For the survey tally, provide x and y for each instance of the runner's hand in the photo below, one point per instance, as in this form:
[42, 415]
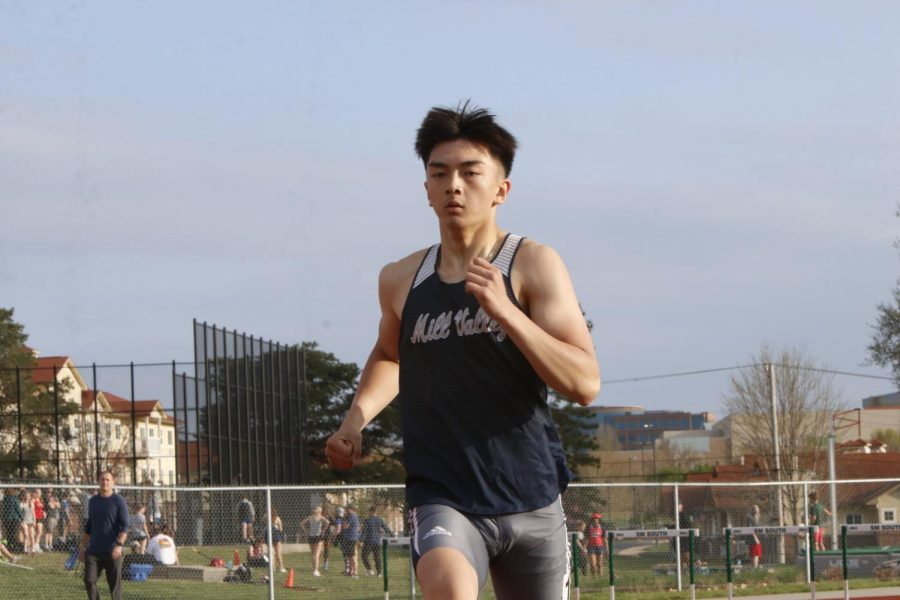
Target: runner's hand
[485, 282]
[343, 449]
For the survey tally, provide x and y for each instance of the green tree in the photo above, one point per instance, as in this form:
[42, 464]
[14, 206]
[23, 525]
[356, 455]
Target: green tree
[331, 385]
[889, 437]
[577, 430]
[885, 347]
[24, 406]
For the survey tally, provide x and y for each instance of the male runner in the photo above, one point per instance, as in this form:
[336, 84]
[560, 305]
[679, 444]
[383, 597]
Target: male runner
[472, 332]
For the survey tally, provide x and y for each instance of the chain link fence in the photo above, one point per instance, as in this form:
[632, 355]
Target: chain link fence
[266, 542]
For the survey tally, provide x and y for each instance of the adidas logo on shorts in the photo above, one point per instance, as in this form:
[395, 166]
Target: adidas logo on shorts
[436, 531]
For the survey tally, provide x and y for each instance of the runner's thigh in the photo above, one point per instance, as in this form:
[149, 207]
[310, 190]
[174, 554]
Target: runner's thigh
[536, 564]
[438, 526]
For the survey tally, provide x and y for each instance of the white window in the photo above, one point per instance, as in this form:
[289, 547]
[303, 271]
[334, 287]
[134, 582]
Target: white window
[143, 474]
[170, 439]
[153, 474]
[888, 515]
[118, 432]
[171, 477]
[854, 519]
[152, 432]
[143, 433]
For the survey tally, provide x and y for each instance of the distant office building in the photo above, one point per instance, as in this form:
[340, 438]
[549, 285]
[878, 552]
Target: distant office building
[882, 401]
[635, 428]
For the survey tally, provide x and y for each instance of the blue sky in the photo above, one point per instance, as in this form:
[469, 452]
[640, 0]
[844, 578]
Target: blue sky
[716, 175]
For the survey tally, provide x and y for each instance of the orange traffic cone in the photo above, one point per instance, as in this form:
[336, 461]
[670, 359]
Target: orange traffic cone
[237, 558]
[290, 580]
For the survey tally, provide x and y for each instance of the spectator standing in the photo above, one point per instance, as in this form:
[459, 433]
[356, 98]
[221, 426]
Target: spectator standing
[596, 545]
[67, 523]
[78, 508]
[154, 508]
[314, 527]
[817, 516]
[37, 505]
[754, 544]
[26, 529]
[137, 528]
[373, 529]
[277, 537]
[84, 500]
[350, 541]
[105, 530]
[685, 521]
[51, 524]
[579, 529]
[334, 535]
[12, 518]
[246, 516]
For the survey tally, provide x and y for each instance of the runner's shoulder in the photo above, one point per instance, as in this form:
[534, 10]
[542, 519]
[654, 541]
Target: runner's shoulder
[399, 274]
[534, 259]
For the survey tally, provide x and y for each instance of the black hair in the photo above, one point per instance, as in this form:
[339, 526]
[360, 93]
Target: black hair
[477, 125]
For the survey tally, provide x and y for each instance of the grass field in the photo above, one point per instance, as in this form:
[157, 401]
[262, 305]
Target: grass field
[50, 581]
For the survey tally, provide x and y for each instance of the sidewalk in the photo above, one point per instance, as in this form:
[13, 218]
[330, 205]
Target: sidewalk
[880, 593]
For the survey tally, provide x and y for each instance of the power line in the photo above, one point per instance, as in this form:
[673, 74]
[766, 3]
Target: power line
[669, 375]
[739, 367]
[847, 373]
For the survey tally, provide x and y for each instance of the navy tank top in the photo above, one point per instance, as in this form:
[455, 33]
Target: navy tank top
[477, 431]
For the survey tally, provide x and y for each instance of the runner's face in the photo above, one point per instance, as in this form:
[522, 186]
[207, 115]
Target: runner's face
[464, 183]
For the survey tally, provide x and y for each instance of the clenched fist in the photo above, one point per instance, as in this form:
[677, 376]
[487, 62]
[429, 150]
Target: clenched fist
[343, 449]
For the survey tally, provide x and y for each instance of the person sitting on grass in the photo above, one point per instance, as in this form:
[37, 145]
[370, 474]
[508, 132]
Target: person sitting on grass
[162, 547]
[5, 553]
[257, 554]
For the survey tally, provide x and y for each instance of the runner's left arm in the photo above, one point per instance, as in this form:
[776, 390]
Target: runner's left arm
[553, 335]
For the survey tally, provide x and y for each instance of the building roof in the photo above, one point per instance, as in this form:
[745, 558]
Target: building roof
[43, 369]
[847, 466]
[121, 407]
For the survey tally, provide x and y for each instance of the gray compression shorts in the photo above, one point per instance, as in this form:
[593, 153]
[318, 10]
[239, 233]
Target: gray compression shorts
[527, 554]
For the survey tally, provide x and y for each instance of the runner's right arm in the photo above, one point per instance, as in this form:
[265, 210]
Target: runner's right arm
[380, 379]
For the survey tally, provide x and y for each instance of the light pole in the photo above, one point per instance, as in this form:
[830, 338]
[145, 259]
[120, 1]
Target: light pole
[778, 491]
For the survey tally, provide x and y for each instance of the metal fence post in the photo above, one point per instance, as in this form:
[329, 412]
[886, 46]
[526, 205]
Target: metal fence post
[575, 565]
[728, 571]
[271, 544]
[691, 567]
[806, 520]
[677, 539]
[384, 563]
[844, 562]
[56, 420]
[19, 423]
[612, 570]
[811, 552]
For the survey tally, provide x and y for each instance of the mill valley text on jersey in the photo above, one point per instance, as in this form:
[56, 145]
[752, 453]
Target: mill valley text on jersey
[445, 323]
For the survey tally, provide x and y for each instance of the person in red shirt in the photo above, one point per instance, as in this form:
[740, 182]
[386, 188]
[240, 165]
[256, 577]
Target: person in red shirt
[596, 546]
[38, 506]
